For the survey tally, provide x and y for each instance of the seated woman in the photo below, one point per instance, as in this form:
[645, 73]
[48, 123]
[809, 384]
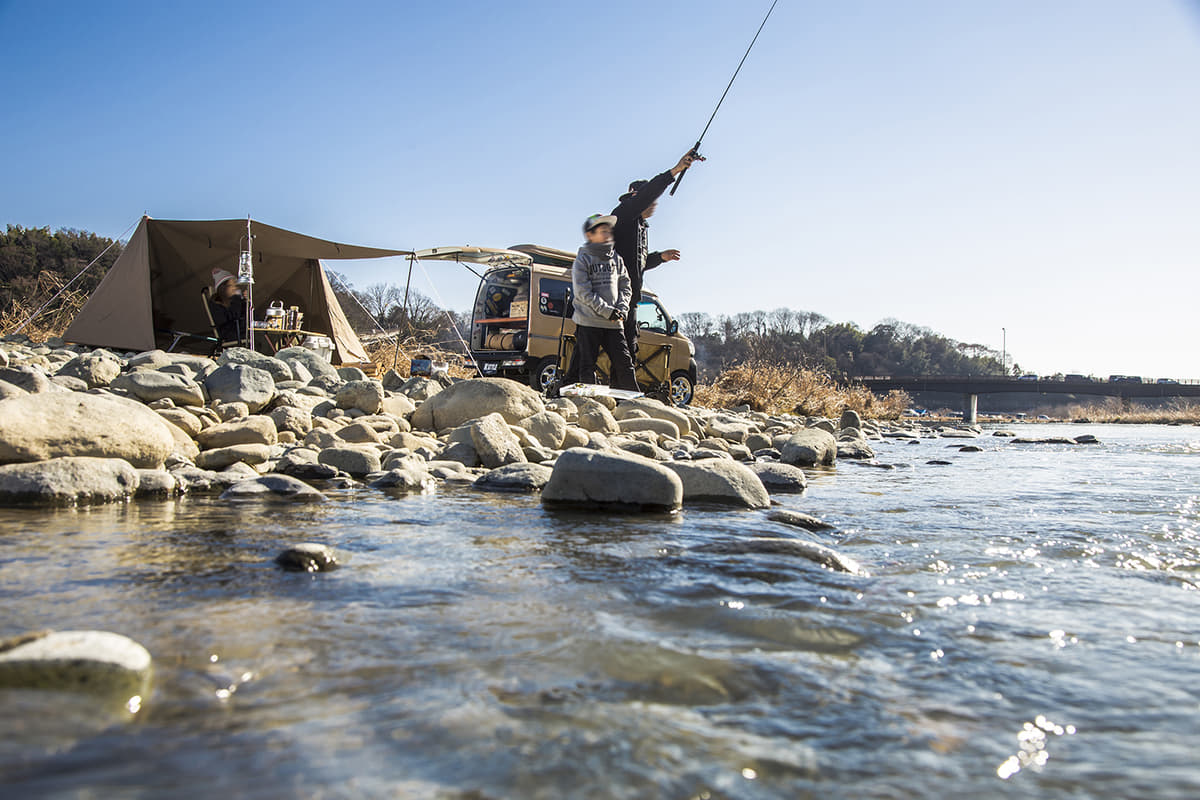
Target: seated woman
[228, 307]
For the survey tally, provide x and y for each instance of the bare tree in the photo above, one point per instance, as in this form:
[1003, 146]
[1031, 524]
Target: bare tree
[379, 299]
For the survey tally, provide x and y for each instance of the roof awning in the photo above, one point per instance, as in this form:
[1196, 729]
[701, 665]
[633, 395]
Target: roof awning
[486, 256]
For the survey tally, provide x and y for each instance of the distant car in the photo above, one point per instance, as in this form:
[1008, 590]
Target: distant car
[1075, 377]
[1125, 379]
[1042, 416]
[1170, 381]
[1028, 377]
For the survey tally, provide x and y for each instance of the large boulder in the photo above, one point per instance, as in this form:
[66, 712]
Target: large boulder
[850, 419]
[469, 400]
[94, 369]
[68, 480]
[238, 383]
[855, 449]
[96, 662]
[272, 486]
[616, 481]
[278, 369]
[515, 478]
[357, 460]
[780, 478]
[810, 447]
[398, 405]
[32, 379]
[38, 427]
[420, 388]
[718, 480]
[655, 410]
[548, 427]
[222, 457]
[660, 427]
[254, 429]
[595, 417]
[148, 386]
[365, 395]
[494, 442]
[289, 418]
[312, 362]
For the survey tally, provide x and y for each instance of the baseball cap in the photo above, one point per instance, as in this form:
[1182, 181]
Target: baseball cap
[598, 219]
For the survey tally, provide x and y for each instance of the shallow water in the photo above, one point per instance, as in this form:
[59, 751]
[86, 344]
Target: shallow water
[1028, 629]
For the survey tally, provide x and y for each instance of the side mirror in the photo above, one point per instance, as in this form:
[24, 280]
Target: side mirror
[672, 328]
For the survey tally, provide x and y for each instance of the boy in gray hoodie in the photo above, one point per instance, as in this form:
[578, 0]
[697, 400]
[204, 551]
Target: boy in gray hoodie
[602, 291]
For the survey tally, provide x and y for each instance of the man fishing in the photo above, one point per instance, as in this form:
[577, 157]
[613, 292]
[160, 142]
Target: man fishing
[630, 235]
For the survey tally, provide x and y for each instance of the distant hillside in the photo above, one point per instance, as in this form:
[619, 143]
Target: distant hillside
[35, 263]
[842, 349]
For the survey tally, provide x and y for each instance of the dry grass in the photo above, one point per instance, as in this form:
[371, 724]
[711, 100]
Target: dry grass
[383, 355]
[53, 320]
[779, 388]
[1115, 410]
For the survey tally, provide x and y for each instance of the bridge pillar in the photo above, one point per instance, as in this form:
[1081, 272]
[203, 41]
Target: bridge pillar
[970, 409]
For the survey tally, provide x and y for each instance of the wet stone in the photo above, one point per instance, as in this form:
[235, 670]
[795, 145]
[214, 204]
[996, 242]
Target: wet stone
[308, 557]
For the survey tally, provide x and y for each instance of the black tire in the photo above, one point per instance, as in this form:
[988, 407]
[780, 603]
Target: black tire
[544, 374]
[682, 388]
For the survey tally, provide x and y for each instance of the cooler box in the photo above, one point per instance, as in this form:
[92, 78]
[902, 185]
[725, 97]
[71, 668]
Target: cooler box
[321, 345]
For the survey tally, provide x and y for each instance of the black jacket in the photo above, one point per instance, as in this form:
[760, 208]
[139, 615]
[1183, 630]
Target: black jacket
[230, 320]
[629, 235]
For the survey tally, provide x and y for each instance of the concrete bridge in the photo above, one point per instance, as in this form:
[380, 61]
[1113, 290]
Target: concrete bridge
[970, 387]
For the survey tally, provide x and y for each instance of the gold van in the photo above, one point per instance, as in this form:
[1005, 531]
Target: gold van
[518, 322]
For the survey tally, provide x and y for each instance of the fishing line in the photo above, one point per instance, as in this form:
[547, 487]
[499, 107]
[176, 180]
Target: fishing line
[695, 151]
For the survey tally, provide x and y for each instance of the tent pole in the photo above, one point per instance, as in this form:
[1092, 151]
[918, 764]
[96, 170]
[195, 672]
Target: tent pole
[250, 288]
[407, 284]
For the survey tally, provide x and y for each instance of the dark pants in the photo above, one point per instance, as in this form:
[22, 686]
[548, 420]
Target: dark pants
[589, 341]
[631, 336]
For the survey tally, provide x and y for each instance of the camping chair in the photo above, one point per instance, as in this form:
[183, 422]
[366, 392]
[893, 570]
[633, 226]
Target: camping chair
[218, 343]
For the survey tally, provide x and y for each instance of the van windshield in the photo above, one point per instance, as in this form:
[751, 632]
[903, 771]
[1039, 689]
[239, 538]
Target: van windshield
[650, 317]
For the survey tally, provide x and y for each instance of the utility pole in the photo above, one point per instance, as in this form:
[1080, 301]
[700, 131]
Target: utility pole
[1004, 351]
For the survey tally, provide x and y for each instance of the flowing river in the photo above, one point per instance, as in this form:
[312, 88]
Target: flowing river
[1029, 628]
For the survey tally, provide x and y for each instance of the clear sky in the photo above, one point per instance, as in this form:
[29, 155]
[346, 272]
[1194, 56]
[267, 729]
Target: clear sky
[967, 166]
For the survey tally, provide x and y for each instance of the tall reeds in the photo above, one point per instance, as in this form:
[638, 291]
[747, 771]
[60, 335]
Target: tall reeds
[786, 388]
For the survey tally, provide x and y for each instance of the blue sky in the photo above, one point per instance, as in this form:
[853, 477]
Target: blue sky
[1028, 164]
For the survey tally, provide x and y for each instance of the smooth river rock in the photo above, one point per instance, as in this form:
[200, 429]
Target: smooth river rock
[254, 429]
[780, 478]
[810, 447]
[268, 486]
[799, 519]
[98, 662]
[494, 442]
[238, 383]
[308, 557]
[720, 481]
[465, 401]
[148, 386]
[68, 480]
[592, 479]
[313, 363]
[279, 370]
[52, 425]
[515, 478]
[365, 395]
[819, 553]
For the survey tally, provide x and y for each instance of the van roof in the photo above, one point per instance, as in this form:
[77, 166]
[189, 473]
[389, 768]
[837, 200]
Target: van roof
[488, 256]
[546, 255]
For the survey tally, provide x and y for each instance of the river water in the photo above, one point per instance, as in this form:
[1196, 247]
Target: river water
[1029, 628]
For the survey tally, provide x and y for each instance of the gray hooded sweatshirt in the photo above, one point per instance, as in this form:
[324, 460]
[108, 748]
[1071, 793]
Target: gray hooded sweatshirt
[601, 285]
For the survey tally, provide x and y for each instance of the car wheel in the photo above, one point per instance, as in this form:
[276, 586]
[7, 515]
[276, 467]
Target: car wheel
[682, 388]
[545, 374]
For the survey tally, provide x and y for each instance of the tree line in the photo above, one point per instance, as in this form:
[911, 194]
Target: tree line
[35, 263]
[842, 349]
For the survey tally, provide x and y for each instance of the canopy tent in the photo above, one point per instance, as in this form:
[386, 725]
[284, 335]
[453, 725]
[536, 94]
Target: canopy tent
[152, 292]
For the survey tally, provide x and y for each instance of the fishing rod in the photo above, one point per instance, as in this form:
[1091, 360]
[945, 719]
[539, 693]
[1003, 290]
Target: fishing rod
[695, 151]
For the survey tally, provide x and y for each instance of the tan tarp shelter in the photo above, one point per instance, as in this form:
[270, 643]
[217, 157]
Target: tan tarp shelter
[152, 293]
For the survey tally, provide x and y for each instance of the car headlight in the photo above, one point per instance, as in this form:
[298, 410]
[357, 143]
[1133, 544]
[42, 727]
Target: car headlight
[691, 348]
